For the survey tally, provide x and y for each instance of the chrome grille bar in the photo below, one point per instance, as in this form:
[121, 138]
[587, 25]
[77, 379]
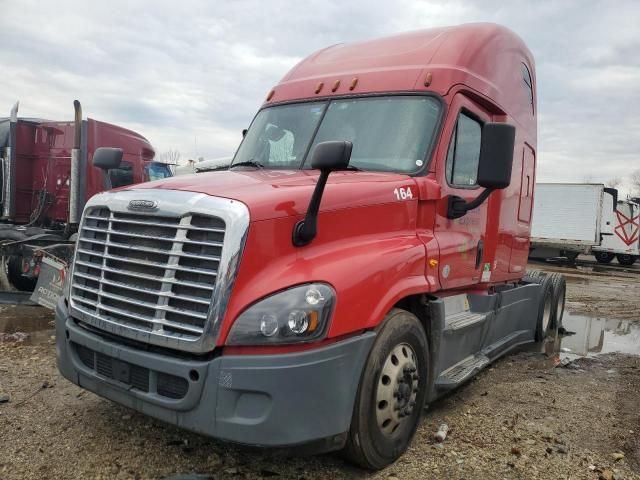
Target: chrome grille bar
[201, 301]
[149, 250]
[123, 233]
[138, 222]
[151, 264]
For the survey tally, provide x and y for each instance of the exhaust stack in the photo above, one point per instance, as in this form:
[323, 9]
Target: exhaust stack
[9, 168]
[74, 181]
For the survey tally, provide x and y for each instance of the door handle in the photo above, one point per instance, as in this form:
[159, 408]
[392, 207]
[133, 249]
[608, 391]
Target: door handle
[479, 254]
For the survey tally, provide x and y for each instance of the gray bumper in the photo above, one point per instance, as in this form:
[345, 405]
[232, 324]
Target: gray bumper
[266, 400]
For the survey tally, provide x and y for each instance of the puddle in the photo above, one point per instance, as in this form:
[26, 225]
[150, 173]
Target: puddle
[593, 335]
[26, 325]
[588, 336]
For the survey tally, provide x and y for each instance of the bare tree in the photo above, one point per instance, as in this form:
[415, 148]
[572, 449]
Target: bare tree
[634, 179]
[614, 182]
[171, 157]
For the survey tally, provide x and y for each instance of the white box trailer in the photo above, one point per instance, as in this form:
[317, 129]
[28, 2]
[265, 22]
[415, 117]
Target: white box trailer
[574, 218]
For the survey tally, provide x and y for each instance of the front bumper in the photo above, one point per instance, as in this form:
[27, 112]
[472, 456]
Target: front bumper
[280, 400]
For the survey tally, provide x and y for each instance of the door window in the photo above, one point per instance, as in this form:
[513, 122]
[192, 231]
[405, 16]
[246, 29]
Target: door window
[121, 176]
[464, 152]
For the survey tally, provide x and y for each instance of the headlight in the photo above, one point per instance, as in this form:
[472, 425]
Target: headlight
[299, 314]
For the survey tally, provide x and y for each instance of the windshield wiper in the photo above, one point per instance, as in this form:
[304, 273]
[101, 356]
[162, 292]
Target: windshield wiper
[248, 163]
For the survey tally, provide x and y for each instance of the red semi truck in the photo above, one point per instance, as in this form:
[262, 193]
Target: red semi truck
[46, 179]
[364, 254]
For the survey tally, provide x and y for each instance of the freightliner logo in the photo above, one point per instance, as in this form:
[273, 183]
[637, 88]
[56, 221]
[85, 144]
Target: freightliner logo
[144, 205]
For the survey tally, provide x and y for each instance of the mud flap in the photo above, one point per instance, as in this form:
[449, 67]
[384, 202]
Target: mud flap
[50, 282]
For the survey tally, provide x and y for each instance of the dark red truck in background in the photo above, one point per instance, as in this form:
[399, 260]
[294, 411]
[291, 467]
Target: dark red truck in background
[364, 254]
[46, 178]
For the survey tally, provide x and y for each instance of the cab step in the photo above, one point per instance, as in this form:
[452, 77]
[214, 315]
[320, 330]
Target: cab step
[462, 320]
[461, 371]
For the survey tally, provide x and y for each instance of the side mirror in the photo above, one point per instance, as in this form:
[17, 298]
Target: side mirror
[331, 156]
[107, 158]
[244, 132]
[494, 167]
[496, 155]
[327, 157]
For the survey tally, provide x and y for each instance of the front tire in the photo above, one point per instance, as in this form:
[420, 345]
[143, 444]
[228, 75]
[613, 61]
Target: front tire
[391, 394]
[625, 259]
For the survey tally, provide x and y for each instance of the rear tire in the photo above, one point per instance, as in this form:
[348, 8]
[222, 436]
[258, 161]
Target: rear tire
[559, 297]
[391, 394]
[604, 257]
[545, 310]
[534, 275]
[625, 259]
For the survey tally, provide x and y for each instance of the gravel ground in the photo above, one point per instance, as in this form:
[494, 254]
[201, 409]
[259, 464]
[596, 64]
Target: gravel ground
[521, 418]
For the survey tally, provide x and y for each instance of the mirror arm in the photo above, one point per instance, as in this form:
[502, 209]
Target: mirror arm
[458, 207]
[305, 230]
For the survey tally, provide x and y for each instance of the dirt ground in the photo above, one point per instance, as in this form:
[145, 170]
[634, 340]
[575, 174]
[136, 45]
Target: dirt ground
[521, 418]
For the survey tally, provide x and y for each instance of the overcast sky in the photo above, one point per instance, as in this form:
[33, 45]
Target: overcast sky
[190, 75]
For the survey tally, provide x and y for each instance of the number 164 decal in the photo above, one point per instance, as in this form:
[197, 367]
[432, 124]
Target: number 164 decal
[403, 193]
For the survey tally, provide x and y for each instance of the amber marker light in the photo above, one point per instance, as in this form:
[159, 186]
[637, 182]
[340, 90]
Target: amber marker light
[427, 79]
[354, 82]
[319, 87]
[335, 86]
[313, 321]
[270, 96]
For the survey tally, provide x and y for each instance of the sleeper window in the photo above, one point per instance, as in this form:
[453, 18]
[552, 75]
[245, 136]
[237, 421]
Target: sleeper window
[526, 78]
[464, 152]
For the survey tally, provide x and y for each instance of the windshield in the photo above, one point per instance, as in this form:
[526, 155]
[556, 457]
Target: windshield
[157, 171]
[388, 133]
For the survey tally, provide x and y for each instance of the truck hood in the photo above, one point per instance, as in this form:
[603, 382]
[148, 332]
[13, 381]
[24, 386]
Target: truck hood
[280, 193]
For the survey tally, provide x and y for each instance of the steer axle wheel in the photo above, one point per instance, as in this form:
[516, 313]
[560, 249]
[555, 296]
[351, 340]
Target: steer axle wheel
[391, 393]
[397, 389]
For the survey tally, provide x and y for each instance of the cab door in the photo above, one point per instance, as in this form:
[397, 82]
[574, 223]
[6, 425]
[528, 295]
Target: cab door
[462, 241]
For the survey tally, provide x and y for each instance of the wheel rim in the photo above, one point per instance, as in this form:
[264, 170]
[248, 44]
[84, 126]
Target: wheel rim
[397, 389]
[560, 307]
[546, 315]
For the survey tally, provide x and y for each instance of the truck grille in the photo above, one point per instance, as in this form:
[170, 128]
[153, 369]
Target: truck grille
[148, 272]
